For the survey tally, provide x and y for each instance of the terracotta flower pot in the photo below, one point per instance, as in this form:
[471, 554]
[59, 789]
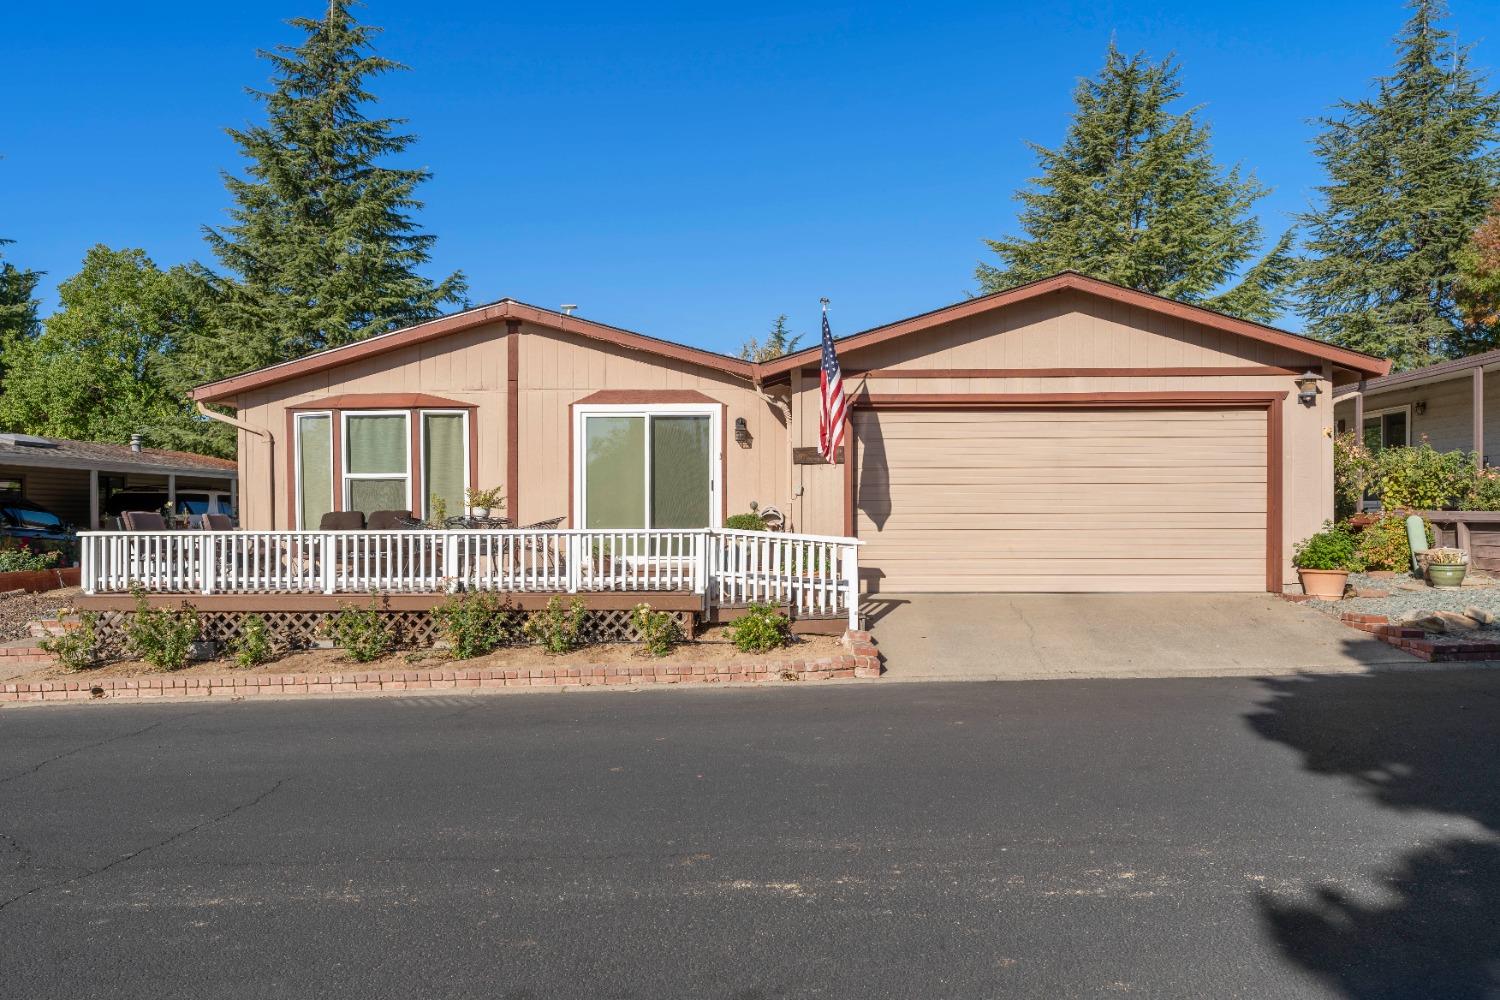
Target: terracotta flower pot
[1324, 584]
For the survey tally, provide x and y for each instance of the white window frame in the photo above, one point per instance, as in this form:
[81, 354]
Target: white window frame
[297, 463]
[422, 415]
[346, 477]
[1380, 415]
[714, 411]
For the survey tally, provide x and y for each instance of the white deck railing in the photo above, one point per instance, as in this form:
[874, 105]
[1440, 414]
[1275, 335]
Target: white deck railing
[815, 575]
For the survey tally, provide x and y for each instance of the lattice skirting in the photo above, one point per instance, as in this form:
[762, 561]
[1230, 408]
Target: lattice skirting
[413, 629]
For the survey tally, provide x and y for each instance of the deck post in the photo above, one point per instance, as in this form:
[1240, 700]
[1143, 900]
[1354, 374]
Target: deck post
[450, 560]
[851, 584]
[327, 547]
[1479, 416]
[574, 548]
[86, 562]
[208, 560]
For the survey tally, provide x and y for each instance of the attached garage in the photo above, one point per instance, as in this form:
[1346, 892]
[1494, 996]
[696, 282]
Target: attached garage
[1083, 498]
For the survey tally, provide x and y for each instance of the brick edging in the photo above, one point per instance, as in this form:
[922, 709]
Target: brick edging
[861, 660]
[1415, 641]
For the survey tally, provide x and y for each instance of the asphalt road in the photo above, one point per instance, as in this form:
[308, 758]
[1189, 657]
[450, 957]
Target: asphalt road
[1155, 838]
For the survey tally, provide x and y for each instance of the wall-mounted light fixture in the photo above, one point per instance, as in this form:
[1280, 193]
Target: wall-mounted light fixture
[1307, 388]
[741, 431]
[1421, 407]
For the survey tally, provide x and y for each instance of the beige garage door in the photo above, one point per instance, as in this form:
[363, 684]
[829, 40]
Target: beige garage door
[1062, 501]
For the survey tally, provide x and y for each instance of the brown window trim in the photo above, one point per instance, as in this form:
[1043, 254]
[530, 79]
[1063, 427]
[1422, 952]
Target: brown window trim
[414, 428]
[1169, 372]
[723, 454]
[1271, 402]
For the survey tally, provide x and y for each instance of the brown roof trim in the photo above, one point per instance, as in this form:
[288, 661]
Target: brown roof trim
[480, 315]
[510, 309]
[646, 396]
[1072, 280]
[381, 401]
[1432, 373]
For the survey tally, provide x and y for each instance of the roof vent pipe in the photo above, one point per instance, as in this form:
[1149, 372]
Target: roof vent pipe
[567, 308]
[135, 442]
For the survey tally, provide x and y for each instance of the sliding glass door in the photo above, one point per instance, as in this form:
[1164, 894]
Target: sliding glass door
[647, 469]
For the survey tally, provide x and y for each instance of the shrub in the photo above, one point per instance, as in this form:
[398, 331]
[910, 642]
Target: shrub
[1424, 478]
[24, 558]
[1484, 492]
[660, 630]
[1353, 474]
[437, 508]
[763, 629]
[1331, 548]
[556, 628]
[1384, 545]
[77, 648]
[253, 645]
[745, 522]
[474, 624]
[162, 637]
[362, 633]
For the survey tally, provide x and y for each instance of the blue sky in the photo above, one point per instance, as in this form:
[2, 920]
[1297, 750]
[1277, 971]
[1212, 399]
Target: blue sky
[688, 171]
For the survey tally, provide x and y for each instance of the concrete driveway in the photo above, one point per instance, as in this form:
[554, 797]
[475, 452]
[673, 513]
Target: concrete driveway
[1031, 636]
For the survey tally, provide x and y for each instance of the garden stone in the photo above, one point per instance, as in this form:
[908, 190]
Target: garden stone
[1456, 621]
[1480, 615]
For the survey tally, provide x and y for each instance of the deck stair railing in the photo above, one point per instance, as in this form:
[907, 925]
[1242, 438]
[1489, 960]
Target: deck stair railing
[814, 575]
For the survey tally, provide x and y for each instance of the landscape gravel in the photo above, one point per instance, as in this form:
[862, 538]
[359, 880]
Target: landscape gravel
[18, 610]
[1403, 602]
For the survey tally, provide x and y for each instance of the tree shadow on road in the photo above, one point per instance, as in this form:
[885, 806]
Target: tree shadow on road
[1411, 741]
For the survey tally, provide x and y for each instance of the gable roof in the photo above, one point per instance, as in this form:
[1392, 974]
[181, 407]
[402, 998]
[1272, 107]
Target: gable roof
[512, 309]
[504, 309]
[1073, 280]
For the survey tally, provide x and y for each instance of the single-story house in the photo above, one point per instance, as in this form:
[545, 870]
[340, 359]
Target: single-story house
[1451, 405]
[1066, 435]
[74, 479]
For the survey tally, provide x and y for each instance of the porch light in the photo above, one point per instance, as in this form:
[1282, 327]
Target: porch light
[741, 431]
[1307, 388]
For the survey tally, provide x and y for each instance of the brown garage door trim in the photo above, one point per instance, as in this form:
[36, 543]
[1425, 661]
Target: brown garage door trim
[1271, 402]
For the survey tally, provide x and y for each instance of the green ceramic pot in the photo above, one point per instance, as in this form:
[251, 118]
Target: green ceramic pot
[1447, 574]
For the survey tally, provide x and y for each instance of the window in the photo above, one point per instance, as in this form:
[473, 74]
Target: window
[1387, 428]
[647, 467]
[445, 462]
[377, 461]
[11, 486]
[314, 486]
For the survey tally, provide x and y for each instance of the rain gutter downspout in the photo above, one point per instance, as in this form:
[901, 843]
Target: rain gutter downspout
[239, 424]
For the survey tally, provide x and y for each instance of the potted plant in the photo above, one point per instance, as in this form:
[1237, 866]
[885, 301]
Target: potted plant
[1323, 562]
[1446, 567]
[481, 502]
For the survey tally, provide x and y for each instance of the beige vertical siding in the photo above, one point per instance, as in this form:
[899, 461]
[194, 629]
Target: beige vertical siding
[555, 370]
[1076, 330]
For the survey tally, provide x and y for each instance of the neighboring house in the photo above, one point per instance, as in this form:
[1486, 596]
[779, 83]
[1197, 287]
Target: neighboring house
[74, 479]
[1067, 435]
[1451, 405]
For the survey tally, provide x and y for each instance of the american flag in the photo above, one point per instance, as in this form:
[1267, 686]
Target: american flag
[833, 412]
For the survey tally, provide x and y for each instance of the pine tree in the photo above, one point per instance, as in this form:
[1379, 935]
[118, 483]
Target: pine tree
[778, 342]
[18, 317]
[107, 364]
[1133, 196]
[1410, 173]
[322, 249]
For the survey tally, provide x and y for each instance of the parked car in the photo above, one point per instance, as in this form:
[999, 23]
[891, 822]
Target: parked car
[34, 526]
[191, 503]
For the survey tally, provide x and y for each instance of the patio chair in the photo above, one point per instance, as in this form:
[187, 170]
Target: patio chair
[217, 522]
[391, 520]
[142, 520]
[342, 520]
